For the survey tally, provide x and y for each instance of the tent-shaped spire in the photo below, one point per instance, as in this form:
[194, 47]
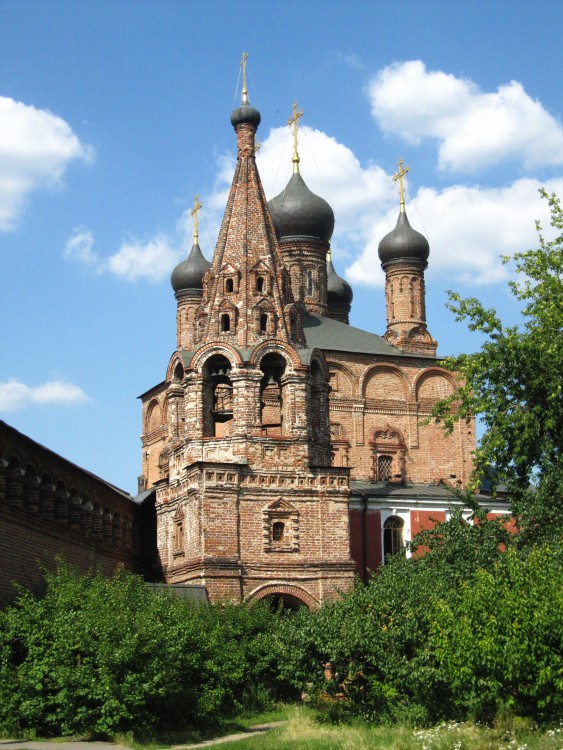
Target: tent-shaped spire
[248, 295]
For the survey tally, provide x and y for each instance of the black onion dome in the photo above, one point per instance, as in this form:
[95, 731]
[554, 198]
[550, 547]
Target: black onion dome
[297, 212]
[338, 289]
[190, 272]
[245, 113]
[403, 243]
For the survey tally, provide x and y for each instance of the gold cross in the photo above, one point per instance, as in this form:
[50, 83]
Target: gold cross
[293, 121]
[243, 66]
[399, 176]
[194, 212]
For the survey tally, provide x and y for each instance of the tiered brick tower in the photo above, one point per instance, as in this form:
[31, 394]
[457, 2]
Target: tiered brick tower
[248, 503]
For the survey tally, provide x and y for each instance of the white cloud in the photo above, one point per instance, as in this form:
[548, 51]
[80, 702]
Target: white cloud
[36, 147]
[79, 246]
[474, 129]
[151, 260]
[468, 229]
[15, 395]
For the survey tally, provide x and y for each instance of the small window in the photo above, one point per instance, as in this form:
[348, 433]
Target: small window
[260, 284]
[229, 286]
[178, 534]
[263, 323]
[278, 531]
[309, 283]
[225, 322]
[384, 466]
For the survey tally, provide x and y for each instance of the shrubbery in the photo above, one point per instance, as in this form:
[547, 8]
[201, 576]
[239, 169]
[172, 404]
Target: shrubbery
[100, 656]
[467, 631]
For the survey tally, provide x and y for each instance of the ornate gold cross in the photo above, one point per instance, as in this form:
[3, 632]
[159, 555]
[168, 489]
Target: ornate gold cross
[243, 66]
[194, 212]
[293, 122]
[399, 176]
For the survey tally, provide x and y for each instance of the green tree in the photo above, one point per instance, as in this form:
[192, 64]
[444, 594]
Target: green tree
[514, 382]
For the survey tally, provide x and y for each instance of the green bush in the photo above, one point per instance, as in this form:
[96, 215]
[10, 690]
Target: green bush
[465, 631]
[100, 656]
[500, 640]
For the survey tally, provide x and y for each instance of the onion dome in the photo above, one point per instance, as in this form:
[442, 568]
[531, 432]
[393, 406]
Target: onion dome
[338, 289]
[245, 113]
[297, 212]
[190, 272]
[403, 243]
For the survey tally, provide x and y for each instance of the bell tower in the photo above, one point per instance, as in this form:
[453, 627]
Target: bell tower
[247, 501]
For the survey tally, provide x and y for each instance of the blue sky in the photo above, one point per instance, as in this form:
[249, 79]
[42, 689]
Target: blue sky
[115, 113]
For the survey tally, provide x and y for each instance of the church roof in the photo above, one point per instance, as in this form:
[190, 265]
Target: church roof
[399, 491]
[329, 334]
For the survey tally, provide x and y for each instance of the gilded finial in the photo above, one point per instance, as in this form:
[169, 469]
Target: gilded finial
[194, 212]
[293, 122]
[399, 176]
[244, 89]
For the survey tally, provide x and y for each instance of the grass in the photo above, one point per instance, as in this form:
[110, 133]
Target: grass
[304, 732]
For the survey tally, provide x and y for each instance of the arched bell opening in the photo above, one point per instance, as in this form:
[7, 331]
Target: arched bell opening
[271, 394]
[217, 397]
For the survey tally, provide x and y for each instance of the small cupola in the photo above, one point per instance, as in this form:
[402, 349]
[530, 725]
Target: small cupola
[190, 272]
[339, 293]
[245, 114]
[403, 243]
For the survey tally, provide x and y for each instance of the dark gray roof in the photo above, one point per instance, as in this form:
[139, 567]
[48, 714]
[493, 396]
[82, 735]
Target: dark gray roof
[190, 272]
[403, 243]
[298, 212]
[337, 287]
[332, 335]
[145, 495]
[389, 489]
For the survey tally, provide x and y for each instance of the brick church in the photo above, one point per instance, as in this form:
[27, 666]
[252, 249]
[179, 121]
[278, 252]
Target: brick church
[287, 450]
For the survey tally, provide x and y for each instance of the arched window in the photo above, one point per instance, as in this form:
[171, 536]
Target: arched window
[229, 286]
[392, 536]
[278, 531]
[264, 323]
[225, 322]
[260, 284]
[384, 468]
[309, 283]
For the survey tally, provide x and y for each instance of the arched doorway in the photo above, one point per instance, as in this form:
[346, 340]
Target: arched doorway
[284, 596]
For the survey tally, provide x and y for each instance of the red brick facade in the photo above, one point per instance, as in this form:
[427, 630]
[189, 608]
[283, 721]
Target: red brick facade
[285, 464]
[50, 508]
